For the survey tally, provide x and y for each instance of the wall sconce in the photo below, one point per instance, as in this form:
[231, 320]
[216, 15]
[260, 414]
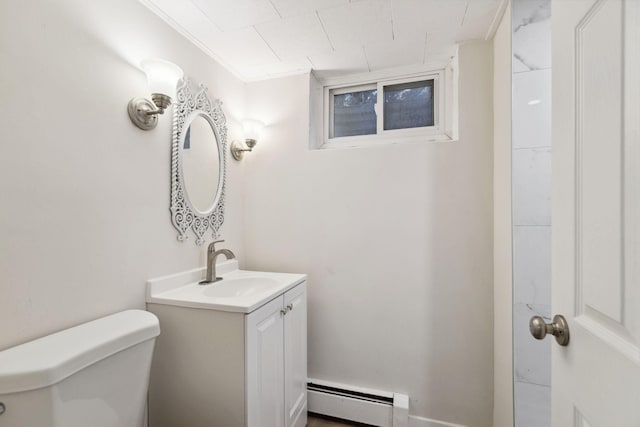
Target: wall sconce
[162, 77]
[252, 130]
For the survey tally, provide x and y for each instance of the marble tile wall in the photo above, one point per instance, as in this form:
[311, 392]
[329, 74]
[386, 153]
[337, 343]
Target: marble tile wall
[531, 66]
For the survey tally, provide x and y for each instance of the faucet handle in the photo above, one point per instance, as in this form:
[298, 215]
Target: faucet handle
[212, 245]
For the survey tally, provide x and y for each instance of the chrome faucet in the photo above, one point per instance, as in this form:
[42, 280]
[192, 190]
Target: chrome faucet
[212, 254]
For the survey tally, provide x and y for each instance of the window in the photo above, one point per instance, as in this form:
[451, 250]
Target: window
[408, 105]
[354, 111]
[413, 108]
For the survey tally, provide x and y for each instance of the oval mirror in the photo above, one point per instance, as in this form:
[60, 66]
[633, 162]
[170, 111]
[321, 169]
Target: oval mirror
[197, 162]
[200, 152]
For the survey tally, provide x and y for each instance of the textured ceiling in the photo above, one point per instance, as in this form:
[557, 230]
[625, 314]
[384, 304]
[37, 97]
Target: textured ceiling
[258, 39]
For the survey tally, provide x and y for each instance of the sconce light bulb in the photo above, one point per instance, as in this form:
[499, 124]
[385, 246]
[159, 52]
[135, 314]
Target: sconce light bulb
[252, 129]
[162, 76]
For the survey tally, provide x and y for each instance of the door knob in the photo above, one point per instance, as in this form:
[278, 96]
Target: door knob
[558, 328]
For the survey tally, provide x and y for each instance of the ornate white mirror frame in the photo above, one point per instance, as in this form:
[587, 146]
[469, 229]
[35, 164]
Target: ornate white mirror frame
[190, 104]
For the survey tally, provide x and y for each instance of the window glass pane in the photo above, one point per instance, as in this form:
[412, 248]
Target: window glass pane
[408, 105]
[353, 113]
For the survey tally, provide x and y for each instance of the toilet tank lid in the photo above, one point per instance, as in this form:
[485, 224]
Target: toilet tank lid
[50, 359]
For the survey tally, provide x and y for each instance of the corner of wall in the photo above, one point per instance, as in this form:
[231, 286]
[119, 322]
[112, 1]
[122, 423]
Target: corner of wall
[315, 112]
[502, 232]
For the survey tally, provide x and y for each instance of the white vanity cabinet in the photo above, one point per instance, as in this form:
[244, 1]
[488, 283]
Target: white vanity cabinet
[276, 343]
[217, 368]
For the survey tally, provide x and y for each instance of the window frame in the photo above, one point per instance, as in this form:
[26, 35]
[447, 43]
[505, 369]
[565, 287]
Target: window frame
[437, 132]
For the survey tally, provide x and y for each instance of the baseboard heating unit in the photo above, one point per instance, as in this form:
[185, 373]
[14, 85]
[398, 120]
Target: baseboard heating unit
[374, 407]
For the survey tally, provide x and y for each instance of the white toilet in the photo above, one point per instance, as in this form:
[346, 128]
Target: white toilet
[92, 375]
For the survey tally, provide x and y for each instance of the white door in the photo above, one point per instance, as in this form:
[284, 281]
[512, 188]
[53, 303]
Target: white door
[295, 356]
[265, 368]
[596, 212]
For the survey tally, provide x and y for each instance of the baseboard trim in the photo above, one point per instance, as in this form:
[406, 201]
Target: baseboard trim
[427, 422]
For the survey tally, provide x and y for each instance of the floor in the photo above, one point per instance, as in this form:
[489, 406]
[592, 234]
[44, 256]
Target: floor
[315, 420]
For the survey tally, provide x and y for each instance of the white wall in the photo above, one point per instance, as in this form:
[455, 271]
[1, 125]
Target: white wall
[502, 233]
[84, 217]
[397, 242]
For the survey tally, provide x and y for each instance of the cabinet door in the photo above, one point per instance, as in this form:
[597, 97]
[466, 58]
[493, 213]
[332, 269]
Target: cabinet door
[264, 358]
[295, 356]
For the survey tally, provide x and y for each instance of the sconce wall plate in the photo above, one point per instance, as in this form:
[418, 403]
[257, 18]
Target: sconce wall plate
[140, 112]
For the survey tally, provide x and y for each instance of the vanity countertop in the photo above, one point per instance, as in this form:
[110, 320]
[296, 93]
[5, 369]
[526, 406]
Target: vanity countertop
[239, 290]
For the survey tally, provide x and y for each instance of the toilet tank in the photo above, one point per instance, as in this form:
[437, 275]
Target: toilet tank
[92, 375]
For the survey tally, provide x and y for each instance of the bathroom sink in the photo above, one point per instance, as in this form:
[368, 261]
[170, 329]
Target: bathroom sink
[240, 287]
[238, 291]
